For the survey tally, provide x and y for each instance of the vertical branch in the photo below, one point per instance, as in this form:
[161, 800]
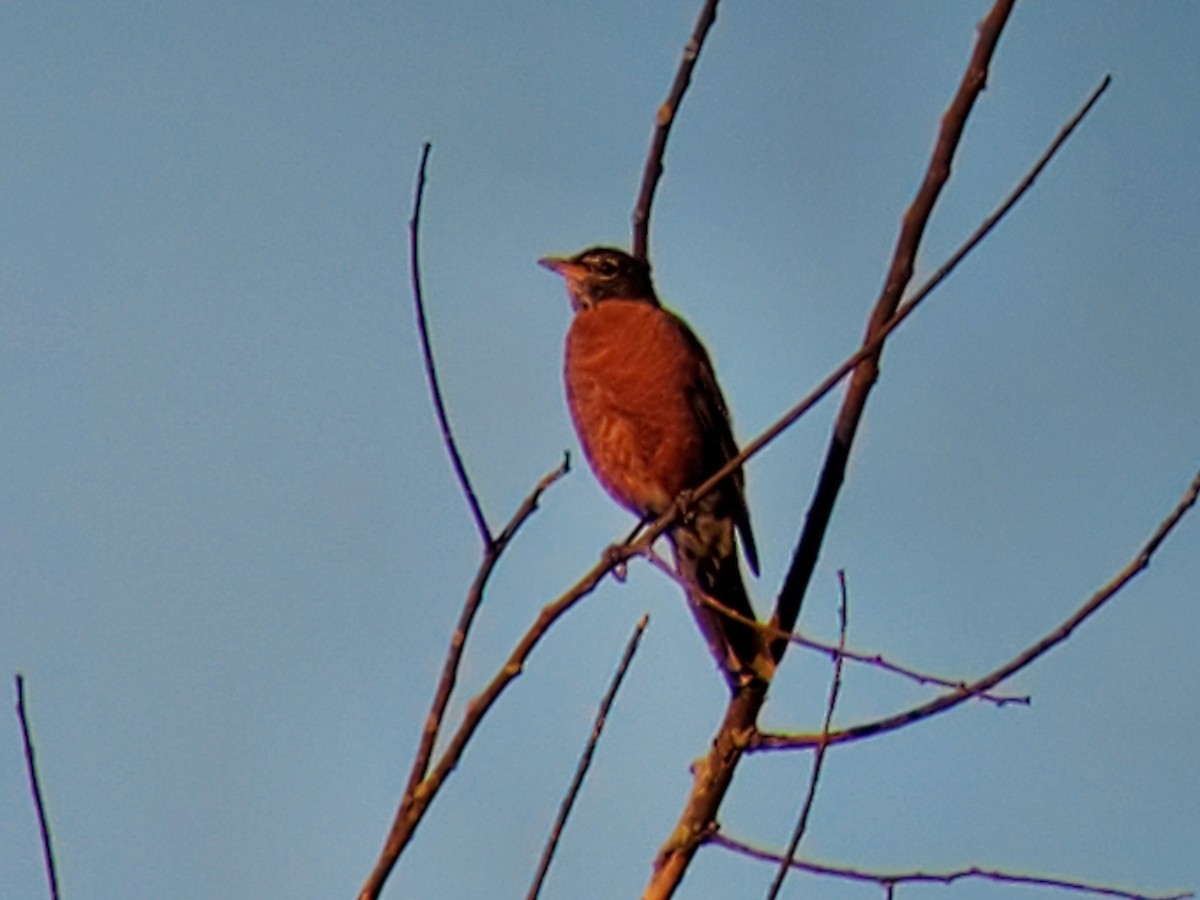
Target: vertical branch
[653, 170]
[585, 760]
[36, 789]
[439, 406]
[820, 511]
[819, 758]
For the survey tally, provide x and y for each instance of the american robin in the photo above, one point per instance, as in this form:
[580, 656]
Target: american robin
[652, 422]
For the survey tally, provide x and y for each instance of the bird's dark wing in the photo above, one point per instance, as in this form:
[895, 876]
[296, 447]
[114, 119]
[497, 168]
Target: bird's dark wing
[720, 446]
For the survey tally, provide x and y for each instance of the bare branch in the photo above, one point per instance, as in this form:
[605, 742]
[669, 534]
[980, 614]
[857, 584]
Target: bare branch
[439, 406]
[404, 822]
[819, 760]
[35, 789]
[804, 559]
[831, 381]
[833, 651]
[662, 127]
[941, 704]
[888, 880]
[585, 760]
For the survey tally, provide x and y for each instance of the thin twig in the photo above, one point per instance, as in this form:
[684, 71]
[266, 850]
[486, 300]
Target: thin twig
[402, 826]
[35, 789]
[1136, 566]
[888, 880]
[585, 760]
[665, 117]
[819, 759]
[833, 651]
[439, 406]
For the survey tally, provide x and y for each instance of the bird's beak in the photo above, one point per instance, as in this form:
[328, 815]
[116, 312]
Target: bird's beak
[561, 265]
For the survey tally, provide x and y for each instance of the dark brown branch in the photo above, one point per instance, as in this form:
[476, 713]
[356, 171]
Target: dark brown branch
[35, 789]
[662, 128]
[820, 511]
[888, 880]
[819, 759]
[585, 760]
[404, 823]
[950, 700]
[439, 406]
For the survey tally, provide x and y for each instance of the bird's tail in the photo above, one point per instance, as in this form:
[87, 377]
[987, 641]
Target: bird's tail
[707, 560]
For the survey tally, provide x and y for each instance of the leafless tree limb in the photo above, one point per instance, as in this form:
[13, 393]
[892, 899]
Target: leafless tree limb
[439, 406]
[585, 760]
[752, 448]
[35, 789]
[947, 701]
[819, 759]
[714, 773]
[458, 640]
[820, 511]
[888, 880]
[662, 128]
[833, 651]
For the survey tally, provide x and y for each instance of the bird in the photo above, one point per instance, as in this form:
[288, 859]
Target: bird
[653, 424]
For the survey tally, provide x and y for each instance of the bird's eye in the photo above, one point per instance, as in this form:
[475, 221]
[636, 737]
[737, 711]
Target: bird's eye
[606, 267]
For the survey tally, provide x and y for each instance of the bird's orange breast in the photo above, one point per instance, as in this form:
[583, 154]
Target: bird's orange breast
[630, 371]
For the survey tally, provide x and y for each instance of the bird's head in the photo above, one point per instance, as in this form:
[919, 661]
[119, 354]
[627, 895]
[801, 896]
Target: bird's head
[603, 273]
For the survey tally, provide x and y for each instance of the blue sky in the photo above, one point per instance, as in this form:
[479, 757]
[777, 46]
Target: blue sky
[232, 548]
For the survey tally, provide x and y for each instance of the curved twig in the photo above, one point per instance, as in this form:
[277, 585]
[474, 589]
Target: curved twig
[439, 406]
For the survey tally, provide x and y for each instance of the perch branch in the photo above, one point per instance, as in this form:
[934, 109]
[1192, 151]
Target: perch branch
[714, 773]
[417, 800]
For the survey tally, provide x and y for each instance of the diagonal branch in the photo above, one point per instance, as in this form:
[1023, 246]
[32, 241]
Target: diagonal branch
[868, 349]
[585, 760]
[439, 406]
[947, 701]
[405, 823]
[820, 511]
[662, 128]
